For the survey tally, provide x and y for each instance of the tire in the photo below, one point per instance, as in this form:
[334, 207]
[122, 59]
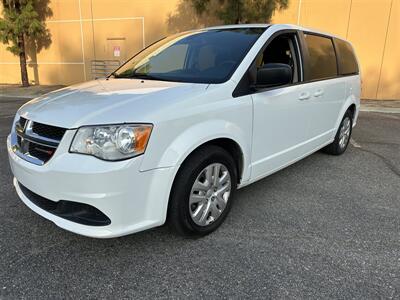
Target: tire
[211, 199]
[342, 137]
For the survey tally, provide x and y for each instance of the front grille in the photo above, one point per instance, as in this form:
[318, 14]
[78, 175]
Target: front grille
[41, 152]
[51, 132]
[37, 142]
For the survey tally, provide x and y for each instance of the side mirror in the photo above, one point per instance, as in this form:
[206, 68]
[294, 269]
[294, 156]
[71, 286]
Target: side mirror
[273, 74]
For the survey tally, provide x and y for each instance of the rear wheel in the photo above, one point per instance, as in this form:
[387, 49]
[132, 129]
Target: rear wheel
[201, 196]
[342, 136]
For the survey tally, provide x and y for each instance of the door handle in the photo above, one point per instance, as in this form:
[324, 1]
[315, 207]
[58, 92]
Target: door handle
[319, 93]
[304, 96]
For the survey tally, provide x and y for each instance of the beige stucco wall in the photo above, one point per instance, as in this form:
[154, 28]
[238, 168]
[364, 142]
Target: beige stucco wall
[373, 26]
[84, 30]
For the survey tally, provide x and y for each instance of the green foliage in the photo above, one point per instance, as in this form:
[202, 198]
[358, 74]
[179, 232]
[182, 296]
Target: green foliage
[186, 18]
[240, 11]
[24, 18]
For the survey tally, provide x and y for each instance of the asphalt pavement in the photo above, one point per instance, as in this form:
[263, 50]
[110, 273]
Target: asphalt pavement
[325, 227]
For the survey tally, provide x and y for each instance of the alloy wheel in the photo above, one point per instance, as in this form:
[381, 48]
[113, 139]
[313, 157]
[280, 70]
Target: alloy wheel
[344, 134]
[210, 194]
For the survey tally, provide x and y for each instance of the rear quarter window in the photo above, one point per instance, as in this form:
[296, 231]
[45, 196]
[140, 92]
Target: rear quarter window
[322, 58]
[347, 59]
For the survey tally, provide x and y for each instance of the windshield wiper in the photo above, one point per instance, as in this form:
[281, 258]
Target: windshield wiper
[136, 75]
[112, 75]
[144, 76]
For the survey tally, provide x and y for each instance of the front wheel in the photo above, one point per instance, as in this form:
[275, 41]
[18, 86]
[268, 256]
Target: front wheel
[202, 192]
[342, 137]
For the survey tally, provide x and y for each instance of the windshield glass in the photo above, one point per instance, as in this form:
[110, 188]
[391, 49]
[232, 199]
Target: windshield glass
[208, 56]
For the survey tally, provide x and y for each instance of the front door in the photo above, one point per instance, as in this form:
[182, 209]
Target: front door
[281, 114]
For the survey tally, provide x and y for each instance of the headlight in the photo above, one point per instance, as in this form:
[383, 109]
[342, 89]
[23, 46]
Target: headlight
[113, 142]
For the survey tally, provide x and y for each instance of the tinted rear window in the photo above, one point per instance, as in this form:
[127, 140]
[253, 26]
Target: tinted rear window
[322, 62]
[347, 59]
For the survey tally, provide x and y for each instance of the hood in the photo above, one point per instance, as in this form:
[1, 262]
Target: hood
[107, 102]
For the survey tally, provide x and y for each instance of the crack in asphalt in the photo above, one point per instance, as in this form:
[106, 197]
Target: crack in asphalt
[386, 161]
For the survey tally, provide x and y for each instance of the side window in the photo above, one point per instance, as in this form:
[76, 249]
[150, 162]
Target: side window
[322, 58]
[347, 60]
[281, 50]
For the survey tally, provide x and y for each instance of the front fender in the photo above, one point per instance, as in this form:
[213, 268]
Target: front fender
[179, 148]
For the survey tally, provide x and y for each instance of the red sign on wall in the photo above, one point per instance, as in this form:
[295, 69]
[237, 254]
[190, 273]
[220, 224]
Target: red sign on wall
[117, 51]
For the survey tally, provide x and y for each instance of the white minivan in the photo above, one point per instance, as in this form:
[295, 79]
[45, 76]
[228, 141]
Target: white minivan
[176, 130]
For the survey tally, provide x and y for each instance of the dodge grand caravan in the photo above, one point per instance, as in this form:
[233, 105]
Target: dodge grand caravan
[177, 129]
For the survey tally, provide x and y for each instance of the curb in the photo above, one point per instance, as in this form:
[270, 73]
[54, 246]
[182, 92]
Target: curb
[385, 110]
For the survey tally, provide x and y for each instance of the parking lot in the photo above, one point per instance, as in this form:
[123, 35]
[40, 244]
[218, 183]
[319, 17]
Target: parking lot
[324, 227]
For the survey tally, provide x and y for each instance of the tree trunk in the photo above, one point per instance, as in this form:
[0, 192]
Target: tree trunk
[22, 61]
[239, 15]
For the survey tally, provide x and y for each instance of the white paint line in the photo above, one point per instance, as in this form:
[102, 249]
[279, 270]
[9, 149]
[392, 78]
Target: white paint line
[383, 51]
[114, 19]
[82, 46]
[104, 19]
[43, 63]
[90, 20]
[143, 39]
[298, 13]
[61, 21]
[82, 39]
[354, 143]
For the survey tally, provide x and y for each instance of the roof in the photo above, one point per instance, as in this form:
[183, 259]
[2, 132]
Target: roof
[282, 26]
[239, 26]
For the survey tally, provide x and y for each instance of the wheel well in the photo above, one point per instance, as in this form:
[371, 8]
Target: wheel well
[232, 148]
[352, 109]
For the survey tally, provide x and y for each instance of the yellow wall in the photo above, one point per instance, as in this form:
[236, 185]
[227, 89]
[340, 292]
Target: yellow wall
[84, 30]
[373, 26]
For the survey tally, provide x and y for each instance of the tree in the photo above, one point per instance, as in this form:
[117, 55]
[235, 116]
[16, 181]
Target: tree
[23, 23]
[240, 11]
[186, 18]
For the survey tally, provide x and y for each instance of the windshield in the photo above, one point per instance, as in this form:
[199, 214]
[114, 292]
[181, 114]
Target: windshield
[208, 56]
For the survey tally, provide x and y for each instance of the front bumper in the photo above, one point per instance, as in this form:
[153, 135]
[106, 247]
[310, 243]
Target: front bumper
[131, 199]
